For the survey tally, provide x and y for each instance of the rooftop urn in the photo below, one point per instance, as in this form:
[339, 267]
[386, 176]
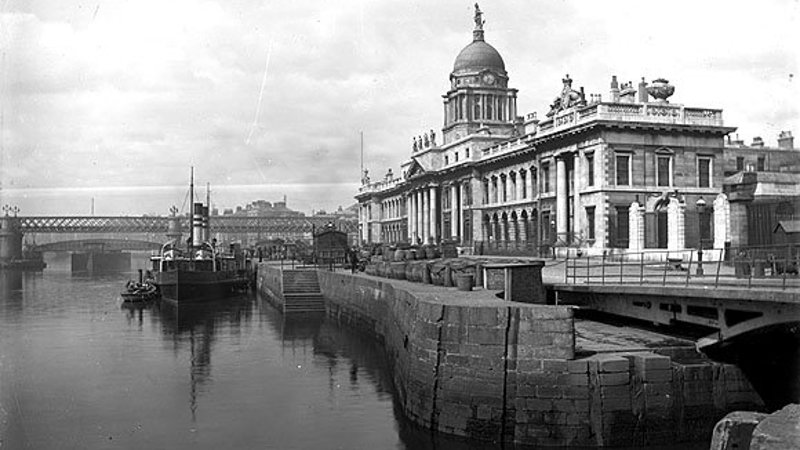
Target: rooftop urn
[661, 90]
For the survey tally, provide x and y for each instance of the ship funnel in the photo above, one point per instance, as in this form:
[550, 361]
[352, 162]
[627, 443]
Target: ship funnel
[197, 225]
[206, 230]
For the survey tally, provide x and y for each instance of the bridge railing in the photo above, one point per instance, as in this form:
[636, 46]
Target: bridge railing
[747, 267]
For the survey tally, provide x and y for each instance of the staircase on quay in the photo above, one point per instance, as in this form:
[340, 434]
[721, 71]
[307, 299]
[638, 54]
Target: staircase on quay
[301, 292]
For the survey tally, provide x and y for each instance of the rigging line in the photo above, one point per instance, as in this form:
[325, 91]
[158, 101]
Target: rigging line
[260, 94]
[185, 199]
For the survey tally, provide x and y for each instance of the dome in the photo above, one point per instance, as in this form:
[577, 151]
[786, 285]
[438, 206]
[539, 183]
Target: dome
[477, 56]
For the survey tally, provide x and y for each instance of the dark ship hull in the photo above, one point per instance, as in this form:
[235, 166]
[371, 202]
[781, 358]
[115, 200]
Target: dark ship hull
[194, 286]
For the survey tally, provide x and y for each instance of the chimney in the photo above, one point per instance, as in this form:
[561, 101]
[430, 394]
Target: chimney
[786, 140]
[614, 89]
[757, 142]
[642, 91]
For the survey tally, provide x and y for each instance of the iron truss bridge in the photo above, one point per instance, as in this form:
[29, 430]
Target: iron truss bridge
[102, 245]
[156, 224]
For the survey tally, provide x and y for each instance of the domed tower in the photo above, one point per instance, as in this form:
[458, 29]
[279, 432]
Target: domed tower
[479, 96]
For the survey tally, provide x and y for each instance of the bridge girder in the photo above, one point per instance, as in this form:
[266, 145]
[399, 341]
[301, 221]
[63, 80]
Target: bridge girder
[157, 224]
[110, 245]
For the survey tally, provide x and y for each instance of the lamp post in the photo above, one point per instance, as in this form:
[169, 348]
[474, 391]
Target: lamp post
[701, 207]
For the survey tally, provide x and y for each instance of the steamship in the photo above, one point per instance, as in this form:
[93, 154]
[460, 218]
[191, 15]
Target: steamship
[201, 270]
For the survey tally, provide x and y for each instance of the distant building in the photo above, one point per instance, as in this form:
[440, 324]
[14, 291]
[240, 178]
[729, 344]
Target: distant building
[624, 173]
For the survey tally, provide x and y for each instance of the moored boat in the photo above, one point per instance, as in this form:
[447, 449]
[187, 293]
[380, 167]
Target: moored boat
[203, 271]
[208, 275]
[139, 292]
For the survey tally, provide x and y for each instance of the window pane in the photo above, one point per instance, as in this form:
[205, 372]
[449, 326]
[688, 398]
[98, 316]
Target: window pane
[703, 171]
[546, 178]
[622, 170]
[663, 171]
[590, 221]
[622, 226]
[590, 167]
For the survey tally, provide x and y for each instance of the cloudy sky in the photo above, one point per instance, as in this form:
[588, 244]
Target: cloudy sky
[114, 100]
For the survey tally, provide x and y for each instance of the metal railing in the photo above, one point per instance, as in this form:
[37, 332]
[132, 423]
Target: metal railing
[745, 267]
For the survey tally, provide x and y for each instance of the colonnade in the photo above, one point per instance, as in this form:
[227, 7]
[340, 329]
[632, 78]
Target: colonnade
[423, 224]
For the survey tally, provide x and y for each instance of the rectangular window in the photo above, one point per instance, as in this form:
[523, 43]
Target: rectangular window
[456, 157]
[590, 170]
[704, 172]
[546, 177]
[623, 170]
[761, 164]
[534, 182]
[590, 222]
[664, 171]
[524, 187]
[705, 218]
[739, 163]
[622, 226]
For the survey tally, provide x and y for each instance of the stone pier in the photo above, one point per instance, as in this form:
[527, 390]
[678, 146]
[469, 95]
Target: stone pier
[474, 365]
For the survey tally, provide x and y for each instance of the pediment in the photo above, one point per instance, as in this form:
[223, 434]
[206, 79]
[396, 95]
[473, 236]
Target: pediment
[415, 169]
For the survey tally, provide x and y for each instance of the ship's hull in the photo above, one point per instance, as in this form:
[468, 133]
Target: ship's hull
[195, 286]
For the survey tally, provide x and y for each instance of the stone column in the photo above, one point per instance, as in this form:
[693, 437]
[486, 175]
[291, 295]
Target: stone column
[409, 217]
[519, 186]
[676, 236]
[434, 228]
[454, 211]
[418, 216]
[721, 222]
[426, 206]
[503, 227]
[521, 224]
[561, 198]
[475, 213]
[636, 227]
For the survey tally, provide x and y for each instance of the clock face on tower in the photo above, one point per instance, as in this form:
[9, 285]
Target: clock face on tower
[488, 78]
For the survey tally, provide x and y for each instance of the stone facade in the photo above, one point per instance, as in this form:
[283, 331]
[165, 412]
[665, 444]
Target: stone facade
[499, 183]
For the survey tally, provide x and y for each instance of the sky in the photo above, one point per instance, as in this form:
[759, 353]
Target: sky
[115, 100]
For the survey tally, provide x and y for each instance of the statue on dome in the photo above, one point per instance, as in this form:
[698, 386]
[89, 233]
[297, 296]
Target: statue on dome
[415, 144]
[365, 177]
[425, 137]
[433, 138]
[478, 18]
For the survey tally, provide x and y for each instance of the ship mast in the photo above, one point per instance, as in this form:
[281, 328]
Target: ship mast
[191, 210]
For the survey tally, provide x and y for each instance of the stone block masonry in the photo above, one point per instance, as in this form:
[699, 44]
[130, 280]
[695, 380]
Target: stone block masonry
[472, 365]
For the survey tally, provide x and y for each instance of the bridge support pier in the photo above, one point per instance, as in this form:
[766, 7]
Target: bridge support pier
[10, 239]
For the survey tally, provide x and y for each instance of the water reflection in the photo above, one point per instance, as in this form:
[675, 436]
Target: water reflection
[195, 326]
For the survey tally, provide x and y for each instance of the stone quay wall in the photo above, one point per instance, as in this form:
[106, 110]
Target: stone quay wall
[500, 371]
[269, 280]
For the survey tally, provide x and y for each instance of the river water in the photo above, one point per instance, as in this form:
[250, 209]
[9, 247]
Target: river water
[79, 370]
